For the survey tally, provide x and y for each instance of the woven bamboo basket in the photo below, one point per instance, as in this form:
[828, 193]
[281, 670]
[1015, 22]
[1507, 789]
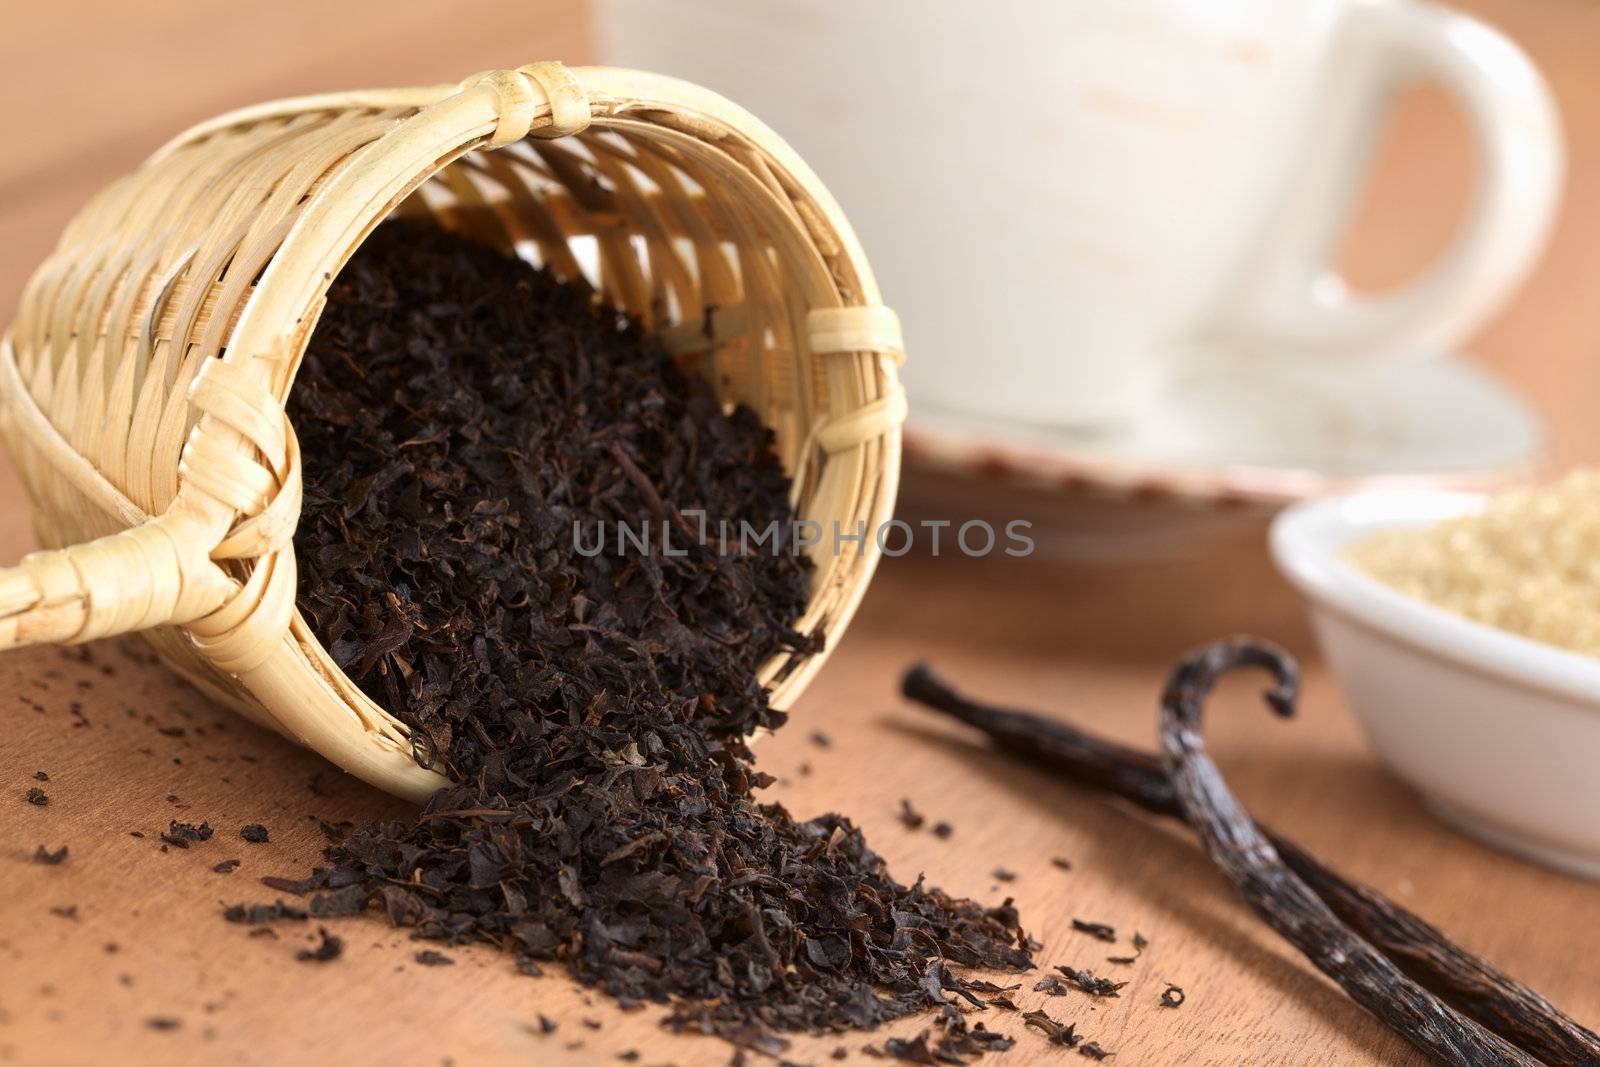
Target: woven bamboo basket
[145, 378]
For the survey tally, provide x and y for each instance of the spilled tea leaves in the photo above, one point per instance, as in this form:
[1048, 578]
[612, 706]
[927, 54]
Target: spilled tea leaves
[461, 415]
[1090, 983]
[910, 817]
[329, 948]
[182, 834]
[1058, 1033]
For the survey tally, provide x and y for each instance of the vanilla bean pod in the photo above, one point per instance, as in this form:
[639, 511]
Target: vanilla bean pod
[1458, 977]
[1276, 893]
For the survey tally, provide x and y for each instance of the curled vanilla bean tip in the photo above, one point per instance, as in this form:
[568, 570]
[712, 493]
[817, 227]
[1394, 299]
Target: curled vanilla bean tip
[1198, 672]
[1281, 897]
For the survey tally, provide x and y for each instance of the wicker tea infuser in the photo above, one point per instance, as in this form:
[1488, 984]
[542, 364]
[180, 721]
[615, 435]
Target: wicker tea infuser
[145, 379]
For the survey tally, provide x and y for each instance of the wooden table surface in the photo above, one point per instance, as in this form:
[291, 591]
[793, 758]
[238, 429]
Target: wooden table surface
[127, 749]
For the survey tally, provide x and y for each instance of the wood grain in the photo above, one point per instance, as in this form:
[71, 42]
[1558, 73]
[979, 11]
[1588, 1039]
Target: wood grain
[1089, 642]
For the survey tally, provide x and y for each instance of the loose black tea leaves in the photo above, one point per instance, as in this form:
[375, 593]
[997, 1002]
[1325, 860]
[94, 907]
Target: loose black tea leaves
[980, 985]
[913, 1050]
[430, 958]
[329, 947]
[50, 858]
[468, 425]
[318, 879]
[37, 797]
[255, 914]
[910, 817]
[1172, 996]
[979, 1039]
[1058, 1033]
[254, 833]
[183, 834]
[1098, 931]
[226, 867]
[957, 1044]
[1466, 982]
[1090, 983]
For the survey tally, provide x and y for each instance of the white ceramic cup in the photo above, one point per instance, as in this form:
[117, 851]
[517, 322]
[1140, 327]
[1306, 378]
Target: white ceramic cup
[1071, 202]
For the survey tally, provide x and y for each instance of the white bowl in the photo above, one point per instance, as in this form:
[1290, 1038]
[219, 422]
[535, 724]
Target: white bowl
[1499, 733]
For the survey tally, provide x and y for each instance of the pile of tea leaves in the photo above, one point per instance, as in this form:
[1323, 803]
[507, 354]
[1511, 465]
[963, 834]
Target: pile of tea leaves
[460, 413]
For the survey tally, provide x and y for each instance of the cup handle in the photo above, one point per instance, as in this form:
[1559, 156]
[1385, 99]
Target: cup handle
[1293, 300]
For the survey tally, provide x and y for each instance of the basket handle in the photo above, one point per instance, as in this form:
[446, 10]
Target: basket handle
[133, 579]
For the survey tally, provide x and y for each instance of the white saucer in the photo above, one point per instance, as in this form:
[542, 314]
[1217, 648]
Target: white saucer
[1217, 451]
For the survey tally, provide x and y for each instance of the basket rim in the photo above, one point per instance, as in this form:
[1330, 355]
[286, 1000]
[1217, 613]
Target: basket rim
[239, 399]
